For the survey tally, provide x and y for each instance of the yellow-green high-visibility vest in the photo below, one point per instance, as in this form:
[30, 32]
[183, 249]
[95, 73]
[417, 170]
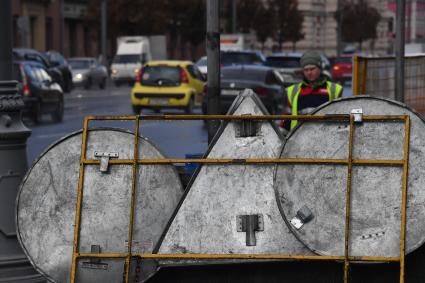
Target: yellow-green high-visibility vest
[293, 92]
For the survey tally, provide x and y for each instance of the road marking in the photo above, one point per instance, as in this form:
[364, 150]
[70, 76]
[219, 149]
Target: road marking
[80, 95]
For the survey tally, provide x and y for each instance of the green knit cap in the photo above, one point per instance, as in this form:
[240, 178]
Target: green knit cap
[311, 58]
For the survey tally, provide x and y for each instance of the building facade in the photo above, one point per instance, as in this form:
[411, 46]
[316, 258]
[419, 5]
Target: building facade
[320, 27]
[59, 25]
[415, 20]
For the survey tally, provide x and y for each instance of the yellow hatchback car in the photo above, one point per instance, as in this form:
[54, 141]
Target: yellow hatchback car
[167, 84]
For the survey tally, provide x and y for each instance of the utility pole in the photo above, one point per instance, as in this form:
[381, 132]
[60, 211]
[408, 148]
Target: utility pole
[13, 158]
[339, 28]
[61, 26]
[104, 31]
[213, 64]
[234, 15]
[399, 51]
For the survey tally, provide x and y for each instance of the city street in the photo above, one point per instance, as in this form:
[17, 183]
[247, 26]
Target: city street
[174, 138]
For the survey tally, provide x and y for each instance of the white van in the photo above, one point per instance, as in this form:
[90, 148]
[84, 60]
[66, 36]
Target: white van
[132, 53]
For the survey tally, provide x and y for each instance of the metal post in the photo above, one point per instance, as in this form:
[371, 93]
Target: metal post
[61, 27]
[234, 15]
[339, 28]
[213, 55]
[14, 265]
[399, 51]
[6, 40]
[104, 27]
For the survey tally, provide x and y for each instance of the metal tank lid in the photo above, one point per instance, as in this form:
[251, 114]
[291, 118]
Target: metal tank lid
[311, 198]
[46, 205]
[209, 216]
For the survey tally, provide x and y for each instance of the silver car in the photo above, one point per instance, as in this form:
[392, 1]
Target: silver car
[87, 71]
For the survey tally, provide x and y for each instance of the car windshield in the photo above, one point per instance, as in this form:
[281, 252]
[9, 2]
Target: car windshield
[237, 58]
[346, 60]
[242, 74]
[79, 64]
[127, 58]
[161, 76]
[283, 62]
[202, 62]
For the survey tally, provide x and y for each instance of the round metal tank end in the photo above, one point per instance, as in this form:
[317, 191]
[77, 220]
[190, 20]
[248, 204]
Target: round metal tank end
[46, 205]
[312, 197]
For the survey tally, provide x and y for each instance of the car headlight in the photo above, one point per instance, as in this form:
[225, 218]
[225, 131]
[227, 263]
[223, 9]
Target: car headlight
[79, 76]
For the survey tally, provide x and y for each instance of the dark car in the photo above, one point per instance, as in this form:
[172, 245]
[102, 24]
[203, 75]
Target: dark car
[40, 93]
[264, 81]
[229, 58]
[27, 54]
[290, 63]
[57, 60]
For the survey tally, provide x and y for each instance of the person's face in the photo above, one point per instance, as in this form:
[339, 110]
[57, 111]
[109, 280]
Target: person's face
[311, 73]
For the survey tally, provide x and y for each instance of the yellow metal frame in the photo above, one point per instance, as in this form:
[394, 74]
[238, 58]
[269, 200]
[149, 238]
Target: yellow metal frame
[350, 162]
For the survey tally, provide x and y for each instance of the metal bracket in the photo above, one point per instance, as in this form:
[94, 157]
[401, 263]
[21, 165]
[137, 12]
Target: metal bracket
[303, 216]
[358, 115]
[104, 159]
[250, 224]
[246, 128]
[94, 263]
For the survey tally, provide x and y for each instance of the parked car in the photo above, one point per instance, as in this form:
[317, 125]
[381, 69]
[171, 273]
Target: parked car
[290, 63]
[342, 69]
[167, 84]
[87, 71]
[27, 54]
[202, 65]
[266, 82]
[57, 60]
[228, 58]
[40, 93]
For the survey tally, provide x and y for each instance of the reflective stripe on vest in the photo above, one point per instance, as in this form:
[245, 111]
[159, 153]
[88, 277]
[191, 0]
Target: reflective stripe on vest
[334, 91]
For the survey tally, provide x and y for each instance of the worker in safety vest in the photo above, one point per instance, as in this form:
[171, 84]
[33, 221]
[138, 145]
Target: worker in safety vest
[312, 91]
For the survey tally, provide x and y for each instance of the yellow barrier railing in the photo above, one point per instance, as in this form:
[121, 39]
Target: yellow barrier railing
[350, 162]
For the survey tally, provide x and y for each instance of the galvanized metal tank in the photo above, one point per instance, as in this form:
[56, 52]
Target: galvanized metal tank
[46, 206]
[319, 190]
[222, 199]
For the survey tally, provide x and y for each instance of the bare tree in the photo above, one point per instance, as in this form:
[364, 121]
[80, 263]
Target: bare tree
[247, 12]
[193, 26]
[355, 30]
[288, 21]
[264, 20]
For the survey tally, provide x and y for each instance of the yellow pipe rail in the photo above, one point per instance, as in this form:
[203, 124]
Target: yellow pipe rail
[238, 256]
[348, 200]
[248, 161]
[404, 197]
[333, 117]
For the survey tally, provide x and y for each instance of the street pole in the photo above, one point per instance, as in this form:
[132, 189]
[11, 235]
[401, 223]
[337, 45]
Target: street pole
[13, 158]
[6, 42]
[234, 13]
[399, 51]
[213, 61]
[104, 27]
[339, 28]
[61, 27]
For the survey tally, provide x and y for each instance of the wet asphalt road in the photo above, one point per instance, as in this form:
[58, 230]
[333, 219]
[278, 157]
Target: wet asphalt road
[173, 138]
